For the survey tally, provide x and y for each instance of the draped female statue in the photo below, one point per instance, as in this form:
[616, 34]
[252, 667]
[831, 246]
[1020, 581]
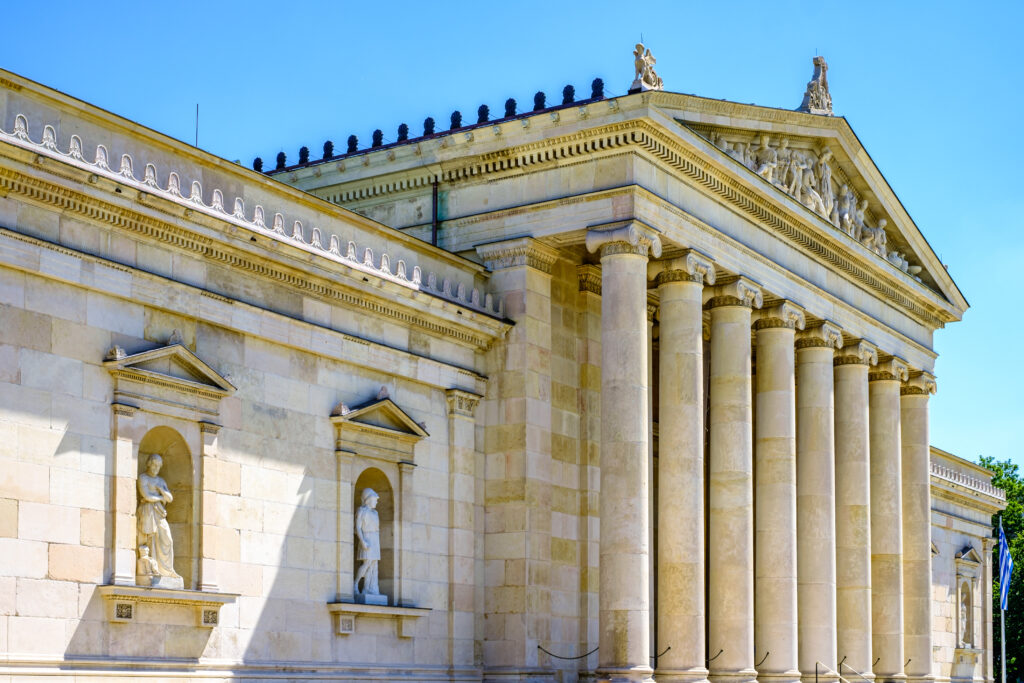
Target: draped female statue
[156, 547]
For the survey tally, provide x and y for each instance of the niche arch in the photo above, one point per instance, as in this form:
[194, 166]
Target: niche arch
[180, 472]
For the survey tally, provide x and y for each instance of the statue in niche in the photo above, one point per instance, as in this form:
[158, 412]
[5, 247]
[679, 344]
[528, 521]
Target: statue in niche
[766, 159]
[367, 527]
[156, 547]
[966, 637]
[643, 64]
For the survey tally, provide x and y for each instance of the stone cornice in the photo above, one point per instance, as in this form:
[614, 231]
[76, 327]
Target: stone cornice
[738, 291]
[692, 266]
[522, 251]
[784, 314]
[809, 232]
[826, 335]
[889, 368]
[46, 193]
[631, 238]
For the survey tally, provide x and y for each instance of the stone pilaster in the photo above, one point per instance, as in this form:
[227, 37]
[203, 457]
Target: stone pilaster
[886, 518]
[917, 512]
[775, 561]
[517, 488]
[624, 598]
[731, 485]
[462, 516]
[124, 496]
[853, 506]
[815, 496]
[987, 548]
[208, 508]
[680, 561]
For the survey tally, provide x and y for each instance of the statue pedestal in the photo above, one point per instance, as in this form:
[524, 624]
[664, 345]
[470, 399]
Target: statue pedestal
[171, 582]
[371, 599]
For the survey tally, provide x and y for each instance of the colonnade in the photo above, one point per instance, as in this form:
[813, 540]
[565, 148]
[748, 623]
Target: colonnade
[793, 528]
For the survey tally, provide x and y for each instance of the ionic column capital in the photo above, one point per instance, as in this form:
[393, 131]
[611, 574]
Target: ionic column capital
[692, 266]
[785, 314]
[826, 335]
[631, 238]
[859, 352]
[889, 368]
[522, 251]
[919, 383]
[741, 291]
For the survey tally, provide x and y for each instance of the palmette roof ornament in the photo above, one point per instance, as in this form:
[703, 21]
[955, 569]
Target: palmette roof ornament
[817, 99]
[643, 63]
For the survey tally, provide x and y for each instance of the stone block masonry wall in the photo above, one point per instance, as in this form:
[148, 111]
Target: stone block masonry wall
[278, 518]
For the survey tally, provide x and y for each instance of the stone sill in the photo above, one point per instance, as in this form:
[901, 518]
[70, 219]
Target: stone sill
[345, 616]
[122, 602]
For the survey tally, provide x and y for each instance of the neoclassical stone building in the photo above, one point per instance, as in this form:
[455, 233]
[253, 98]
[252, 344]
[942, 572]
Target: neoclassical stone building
[611, 389]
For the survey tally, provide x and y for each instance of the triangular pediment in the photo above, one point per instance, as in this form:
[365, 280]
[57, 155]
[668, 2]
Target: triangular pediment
[880, 233]
[383, 414]
[173, 364]
[969, 554]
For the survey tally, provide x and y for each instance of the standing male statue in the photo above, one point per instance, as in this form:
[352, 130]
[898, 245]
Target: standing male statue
[368, 535]
[156, 547]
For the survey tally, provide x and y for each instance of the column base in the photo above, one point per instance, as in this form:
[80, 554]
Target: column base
[699, 675]
[741, 676]
[633, 674]
[793, 676]
[827, 677]
[890, 678]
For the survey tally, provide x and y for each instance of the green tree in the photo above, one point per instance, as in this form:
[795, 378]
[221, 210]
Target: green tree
[1006, 475]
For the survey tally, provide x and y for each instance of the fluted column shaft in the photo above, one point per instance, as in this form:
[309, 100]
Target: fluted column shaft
[853, 507]
[815, 501]
[624, 598]
[917, 504]
[730, 488]
[680, 607]
[775, 576]
[886, 520]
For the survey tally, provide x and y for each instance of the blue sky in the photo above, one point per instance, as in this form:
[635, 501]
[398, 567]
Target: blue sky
[933, 90]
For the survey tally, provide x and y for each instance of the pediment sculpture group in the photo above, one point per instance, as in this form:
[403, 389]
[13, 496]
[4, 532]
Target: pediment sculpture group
[807, 177]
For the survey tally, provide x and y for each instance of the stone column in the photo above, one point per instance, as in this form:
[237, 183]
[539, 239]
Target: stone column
[624, 597]
[517, 490]
[815, 497]
[680, 606]
[775, 561]
[731, 485]
[886, 518]
[461, 527]
[853, 507]
[917, 525]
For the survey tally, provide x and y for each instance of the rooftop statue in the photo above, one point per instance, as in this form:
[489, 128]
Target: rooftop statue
[646, 77]
[817, 99]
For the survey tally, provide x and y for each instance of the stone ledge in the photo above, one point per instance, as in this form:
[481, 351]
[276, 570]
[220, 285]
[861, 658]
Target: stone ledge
[345, 614]
[122, 602]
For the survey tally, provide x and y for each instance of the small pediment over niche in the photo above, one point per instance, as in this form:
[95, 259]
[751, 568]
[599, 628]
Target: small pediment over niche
[968, 554]
[378, 429]
[170, 379]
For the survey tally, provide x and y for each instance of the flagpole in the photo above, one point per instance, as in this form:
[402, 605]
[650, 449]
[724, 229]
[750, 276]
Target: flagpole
[1002, 612]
